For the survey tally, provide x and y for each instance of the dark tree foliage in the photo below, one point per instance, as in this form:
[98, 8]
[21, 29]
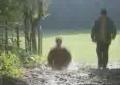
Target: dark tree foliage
[27, 13]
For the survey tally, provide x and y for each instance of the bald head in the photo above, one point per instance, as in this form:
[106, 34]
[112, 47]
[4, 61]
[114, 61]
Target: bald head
[58, 42]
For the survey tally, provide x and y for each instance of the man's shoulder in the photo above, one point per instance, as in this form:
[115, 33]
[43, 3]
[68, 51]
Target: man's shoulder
[65, 49]
[53, 49]
[60, 49]
[98, 20]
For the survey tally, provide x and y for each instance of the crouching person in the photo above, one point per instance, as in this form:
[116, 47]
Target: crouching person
[59, 58]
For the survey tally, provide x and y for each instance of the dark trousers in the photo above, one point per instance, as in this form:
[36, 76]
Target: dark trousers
[102, 53]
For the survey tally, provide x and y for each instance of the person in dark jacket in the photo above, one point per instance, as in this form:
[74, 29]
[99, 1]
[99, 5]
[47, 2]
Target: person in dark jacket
[103, 31]
[59, 57]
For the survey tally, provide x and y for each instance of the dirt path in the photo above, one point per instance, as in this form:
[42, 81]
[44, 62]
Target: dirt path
[85, 75]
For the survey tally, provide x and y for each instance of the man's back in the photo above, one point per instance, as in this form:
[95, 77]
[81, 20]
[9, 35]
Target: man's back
[103, 29]
[59, 57]
[103, 32]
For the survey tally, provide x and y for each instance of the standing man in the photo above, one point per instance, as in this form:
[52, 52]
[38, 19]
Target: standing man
[103, 32]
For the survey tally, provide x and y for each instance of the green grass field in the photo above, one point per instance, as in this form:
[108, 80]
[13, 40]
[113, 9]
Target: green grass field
[82, 48]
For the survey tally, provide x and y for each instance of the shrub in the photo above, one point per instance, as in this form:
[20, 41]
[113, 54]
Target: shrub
[10, 65]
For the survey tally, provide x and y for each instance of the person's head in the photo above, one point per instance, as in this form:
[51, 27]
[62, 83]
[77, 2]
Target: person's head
[103, 12]
[58, 42]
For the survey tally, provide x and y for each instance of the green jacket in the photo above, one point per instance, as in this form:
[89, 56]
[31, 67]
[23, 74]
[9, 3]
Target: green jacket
[110, 31]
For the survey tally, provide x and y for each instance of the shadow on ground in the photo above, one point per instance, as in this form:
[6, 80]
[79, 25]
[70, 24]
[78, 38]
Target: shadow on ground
[87, 75]
[81, 76]
[5, 80]
[106, 77]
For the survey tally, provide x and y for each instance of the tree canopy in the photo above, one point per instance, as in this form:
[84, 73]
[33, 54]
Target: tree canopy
[13, 10]
[26, 13]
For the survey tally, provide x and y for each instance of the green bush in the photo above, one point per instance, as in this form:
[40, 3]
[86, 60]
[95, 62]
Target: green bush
[10, 65]
[29, 59]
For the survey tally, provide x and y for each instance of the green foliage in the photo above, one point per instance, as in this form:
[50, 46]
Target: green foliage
[29, 59]
[9, 10]
[10, 65]
[33, 60]
[14, 9]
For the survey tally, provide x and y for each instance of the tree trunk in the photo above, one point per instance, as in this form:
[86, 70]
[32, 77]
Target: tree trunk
[6, 38]
[18, 38]
[26, 36]
[27, 32]
[40, 41]
[33, 38]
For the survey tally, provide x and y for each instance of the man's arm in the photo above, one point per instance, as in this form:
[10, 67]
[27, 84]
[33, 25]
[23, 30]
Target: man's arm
[93, 32]
[50, 58]
[68, 57]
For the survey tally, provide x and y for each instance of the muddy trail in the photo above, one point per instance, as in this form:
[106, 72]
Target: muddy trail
[81, 75]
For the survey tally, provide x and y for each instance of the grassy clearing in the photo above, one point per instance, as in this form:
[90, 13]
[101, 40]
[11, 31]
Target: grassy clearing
[82, 48]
